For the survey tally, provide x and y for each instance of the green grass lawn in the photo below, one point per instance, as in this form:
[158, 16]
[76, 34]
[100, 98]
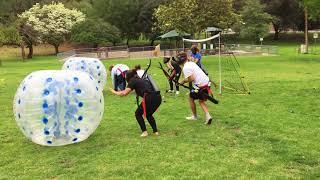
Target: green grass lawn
[272, 133]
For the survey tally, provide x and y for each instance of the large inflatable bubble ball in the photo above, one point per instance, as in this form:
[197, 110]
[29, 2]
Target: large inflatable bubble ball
[55, 108]
[92, 66]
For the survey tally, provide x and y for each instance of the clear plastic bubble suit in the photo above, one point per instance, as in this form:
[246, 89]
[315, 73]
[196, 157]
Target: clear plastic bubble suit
[92, 66]
[55, 108]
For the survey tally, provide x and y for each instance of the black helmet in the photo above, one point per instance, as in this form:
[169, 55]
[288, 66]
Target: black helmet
[182, 57]
[130, 74]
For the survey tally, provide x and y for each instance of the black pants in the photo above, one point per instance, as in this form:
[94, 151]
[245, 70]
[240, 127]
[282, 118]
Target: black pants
[120, 83]
[152, 102]
[176, 78]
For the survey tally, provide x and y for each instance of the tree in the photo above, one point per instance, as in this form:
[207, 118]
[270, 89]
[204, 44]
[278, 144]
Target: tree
[131, 17]
[256, 22]
[285, 14]
[11, 35]
[95, 32]
[177, 14]
[311, 11]
[29, 37]
[146, 18]
[53, 22]
[195, 15]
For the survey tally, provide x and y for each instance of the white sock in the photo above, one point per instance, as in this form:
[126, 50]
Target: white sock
[208, 116]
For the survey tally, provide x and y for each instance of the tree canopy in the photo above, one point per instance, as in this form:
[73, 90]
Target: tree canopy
[255, 21]
[53, 22]
[195, 15]
[95, 32]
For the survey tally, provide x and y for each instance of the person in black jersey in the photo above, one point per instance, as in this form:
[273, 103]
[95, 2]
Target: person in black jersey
[175, 72]
[150, 102]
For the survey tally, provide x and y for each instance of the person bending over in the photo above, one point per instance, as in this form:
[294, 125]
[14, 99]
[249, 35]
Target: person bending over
[118, 76]
[175, 72]
[193, 73]
[151, 100]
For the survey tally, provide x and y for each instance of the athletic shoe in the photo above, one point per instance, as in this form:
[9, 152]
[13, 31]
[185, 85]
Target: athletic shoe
[208, 121]
[144, 134]
[192, 118]
[170, 91]
[156, 133]
[177, 92]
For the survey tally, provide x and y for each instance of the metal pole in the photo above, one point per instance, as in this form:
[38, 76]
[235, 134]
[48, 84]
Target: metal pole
[183, 44]
[220, 76]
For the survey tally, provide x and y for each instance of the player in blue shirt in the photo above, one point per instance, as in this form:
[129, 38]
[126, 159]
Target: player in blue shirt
[195, 56]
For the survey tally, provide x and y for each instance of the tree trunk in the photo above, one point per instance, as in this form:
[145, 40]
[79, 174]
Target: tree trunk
[306, 41]
[23, 52]
[276, 32]
[56, 48]
[30, 54]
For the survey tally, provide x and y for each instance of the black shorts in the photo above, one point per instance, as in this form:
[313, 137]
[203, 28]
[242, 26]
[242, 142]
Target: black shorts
[199, 95]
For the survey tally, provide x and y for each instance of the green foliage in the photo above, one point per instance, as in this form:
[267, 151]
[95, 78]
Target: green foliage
[313, 7]
[256, 22]
[11, 35]
[95, 32]
[286, 13]
[193, 16]
[2, 38]
[131, 17]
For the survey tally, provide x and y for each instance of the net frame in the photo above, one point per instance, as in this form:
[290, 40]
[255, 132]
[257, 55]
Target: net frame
[232, 60]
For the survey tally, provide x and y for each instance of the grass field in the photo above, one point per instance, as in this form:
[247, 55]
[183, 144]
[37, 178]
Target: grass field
[272, 133]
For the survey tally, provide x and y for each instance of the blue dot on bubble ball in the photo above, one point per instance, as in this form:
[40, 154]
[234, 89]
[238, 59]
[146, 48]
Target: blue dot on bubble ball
[97, 88]
[80, 104]
[78, 91]
[99, 74]
[49, 79]
[75, 139]
[19, 101]
[19, 116]
[91, 77]
[45, 105]
[46, 92]
[77, 130]
[24, 88]
[49, 142]
[76, 79]
[46, 132]
[99, 82]
[98, 67]
[80, 118]
[45, 120]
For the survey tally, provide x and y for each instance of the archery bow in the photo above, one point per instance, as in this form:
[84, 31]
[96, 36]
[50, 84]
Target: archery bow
[145, 71]
[143, 76]
[210, 98]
